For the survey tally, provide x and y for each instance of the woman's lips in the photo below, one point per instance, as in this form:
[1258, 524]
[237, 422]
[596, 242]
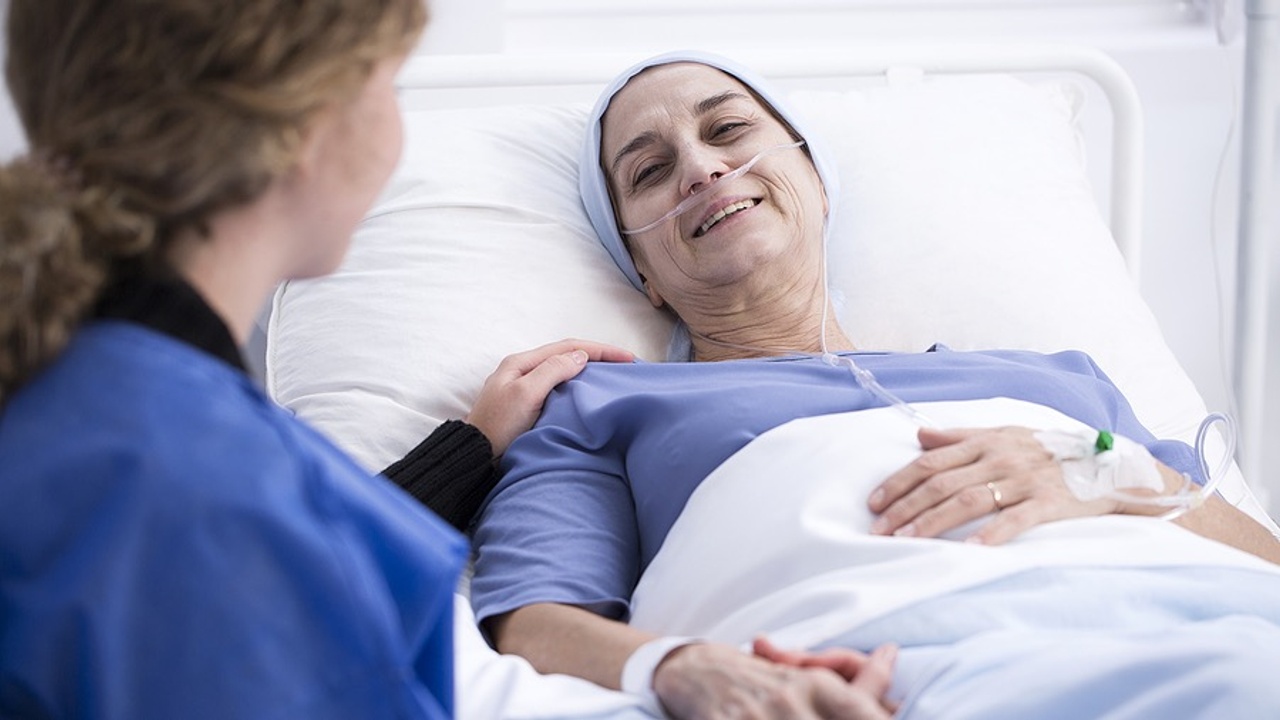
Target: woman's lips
[723, 213]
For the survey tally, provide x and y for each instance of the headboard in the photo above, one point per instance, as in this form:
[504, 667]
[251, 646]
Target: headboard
[429, 82]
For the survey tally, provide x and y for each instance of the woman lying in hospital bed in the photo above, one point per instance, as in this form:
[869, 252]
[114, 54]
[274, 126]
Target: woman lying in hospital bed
[778, 484]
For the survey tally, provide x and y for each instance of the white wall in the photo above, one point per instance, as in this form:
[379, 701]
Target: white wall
[462, 27]
[1271, 420]
[457, 26]
[12, 142]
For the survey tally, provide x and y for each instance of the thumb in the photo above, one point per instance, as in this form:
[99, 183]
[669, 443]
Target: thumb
[931, 438]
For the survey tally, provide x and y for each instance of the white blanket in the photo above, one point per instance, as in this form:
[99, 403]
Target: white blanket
[776, 539]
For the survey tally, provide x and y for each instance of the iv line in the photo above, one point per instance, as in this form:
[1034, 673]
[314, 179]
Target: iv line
[1182, 501]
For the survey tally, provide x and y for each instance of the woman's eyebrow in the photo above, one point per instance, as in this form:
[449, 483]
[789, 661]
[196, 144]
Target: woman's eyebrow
[639, 142]
[715, 101]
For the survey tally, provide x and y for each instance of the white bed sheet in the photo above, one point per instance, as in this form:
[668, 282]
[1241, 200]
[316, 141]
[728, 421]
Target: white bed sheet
[749, 555]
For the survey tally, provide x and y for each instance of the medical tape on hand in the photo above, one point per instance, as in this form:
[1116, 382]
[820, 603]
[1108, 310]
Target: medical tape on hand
[637, 673]
[1098, 464]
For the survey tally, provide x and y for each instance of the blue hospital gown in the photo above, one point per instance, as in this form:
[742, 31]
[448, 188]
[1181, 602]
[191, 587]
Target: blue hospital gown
[592, 490]
[176, 546]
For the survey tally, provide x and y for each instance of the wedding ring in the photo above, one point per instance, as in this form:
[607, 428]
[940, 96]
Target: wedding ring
[996, 496]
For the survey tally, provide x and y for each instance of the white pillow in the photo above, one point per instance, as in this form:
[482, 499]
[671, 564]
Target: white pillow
[478, 248]
[966, 218]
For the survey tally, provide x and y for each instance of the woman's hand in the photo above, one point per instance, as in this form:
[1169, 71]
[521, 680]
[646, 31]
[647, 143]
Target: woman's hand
[512, 396]
[718, 681]
[965, 474]
[701, 680]
[849, 664]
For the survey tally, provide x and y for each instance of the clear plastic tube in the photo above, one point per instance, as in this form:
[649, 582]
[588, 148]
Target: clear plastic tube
[869, 383]
[1189, 497]
[699, 197]
[861, 375]
[1212, 479]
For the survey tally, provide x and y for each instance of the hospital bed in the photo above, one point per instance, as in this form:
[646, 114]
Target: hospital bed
[969, 217]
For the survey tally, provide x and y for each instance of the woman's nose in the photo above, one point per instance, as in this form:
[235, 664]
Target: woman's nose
[701, 168]
[697, 186]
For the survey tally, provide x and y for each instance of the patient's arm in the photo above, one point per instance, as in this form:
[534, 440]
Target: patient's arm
[959, 476]
[452, 470]
[1219, 520]
[512, 396]
[567, 639]
[703, 680]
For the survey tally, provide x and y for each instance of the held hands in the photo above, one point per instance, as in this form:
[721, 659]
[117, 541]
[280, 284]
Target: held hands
[875, 669]
[718, 681]
[965, 474]
[512, 396]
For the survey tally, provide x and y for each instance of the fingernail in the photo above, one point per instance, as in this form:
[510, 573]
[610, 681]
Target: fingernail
[876, 498]
[974, 540]
[908, 530]
[579, 356]
[879, 526]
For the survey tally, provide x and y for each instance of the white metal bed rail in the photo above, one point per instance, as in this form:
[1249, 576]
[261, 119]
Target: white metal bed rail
[1258, 129]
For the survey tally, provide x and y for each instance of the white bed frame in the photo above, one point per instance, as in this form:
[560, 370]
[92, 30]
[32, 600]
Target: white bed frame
[1256, 231]
[468, 80]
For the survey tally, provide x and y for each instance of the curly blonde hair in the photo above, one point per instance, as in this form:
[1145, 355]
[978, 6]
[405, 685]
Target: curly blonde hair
[147, 117]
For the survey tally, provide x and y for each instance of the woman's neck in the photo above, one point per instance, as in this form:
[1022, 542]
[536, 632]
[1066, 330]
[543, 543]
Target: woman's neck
[708, 348]
[788, 320]
[235, 267]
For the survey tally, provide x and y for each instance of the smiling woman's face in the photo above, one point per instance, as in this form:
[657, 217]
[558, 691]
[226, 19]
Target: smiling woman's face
[672, 131]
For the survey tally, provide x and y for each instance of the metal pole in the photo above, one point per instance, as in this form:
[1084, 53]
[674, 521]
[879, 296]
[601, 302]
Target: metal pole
[1257, 143]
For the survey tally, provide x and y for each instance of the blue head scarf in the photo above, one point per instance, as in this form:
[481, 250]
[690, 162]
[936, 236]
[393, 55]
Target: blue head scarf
[595, 188]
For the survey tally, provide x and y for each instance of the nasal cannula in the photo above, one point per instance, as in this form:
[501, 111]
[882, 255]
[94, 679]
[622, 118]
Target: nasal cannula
[1180, 502]
[699, 197]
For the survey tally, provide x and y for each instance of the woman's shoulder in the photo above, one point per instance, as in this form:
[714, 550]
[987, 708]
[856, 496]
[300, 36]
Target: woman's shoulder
[613, 385]
[643, 371]
[175, 449]
[1068, 360]
[126, 410]
[642, 376]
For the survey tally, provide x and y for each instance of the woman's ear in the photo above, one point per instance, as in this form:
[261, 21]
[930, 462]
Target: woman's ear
[653, 295]
[313, 141]
[654, 298]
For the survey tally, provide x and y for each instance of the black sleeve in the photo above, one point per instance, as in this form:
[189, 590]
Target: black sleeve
[450, 472]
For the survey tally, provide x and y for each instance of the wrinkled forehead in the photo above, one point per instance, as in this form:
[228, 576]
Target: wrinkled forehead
[668, 93]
